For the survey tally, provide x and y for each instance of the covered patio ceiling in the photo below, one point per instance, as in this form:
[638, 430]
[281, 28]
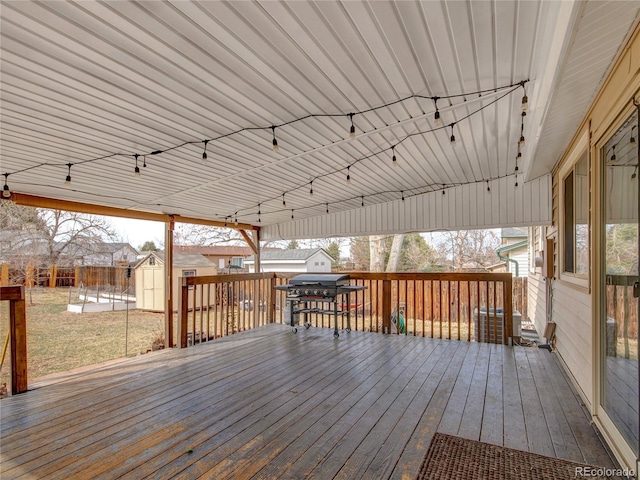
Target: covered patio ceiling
[94, 89]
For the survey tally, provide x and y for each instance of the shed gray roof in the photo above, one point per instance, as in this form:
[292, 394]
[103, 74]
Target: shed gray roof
[293, 254]
[185, 259]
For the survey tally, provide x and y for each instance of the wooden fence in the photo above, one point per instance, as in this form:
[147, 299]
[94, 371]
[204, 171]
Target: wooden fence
[462, 306]
[622, 316]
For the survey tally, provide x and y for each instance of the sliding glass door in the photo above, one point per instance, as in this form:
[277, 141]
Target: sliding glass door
[619, 256]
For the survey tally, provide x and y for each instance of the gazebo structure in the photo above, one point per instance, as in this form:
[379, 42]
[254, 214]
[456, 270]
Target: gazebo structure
[291, 120]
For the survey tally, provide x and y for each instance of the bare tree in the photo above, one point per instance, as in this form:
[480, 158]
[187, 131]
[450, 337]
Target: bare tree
[50, 237]
[469, 248]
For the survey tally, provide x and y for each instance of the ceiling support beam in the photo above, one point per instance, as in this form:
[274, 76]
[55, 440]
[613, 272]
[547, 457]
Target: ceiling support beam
[249, 241]
[91, 209]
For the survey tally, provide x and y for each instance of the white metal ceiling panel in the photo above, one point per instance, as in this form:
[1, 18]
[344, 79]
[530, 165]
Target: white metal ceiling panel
[93, 84]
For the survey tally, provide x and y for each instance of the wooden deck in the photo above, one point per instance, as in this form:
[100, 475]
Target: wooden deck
[269, 404]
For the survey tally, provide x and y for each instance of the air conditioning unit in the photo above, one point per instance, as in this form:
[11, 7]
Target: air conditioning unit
[488, 326]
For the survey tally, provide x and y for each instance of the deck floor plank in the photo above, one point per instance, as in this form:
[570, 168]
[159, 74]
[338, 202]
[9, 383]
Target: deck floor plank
[268, 404]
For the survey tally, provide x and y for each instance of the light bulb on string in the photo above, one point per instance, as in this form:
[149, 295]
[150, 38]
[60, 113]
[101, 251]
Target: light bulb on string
[633, 175]
[402, 193]
[144, 161]
[349, 174]
[516, 179]
[393, 158]
[6, 193]
[362, 201]
[632, 138]
[274, 142]
[204, 153]
[259, 214]
[488, 187]
[525, 99]
[327, 208]
[235, 220]
[443, 189]
[352, 130]
[136, 171]
[613, 155]
[436, 116]
[521, 142]
[67, 180]
[292, 214]
[311, 188]
[284, 202]
[453, 137]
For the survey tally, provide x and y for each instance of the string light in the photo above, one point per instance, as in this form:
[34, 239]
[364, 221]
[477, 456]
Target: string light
[393, 158]
[6, 193]
[402, 193]
[516, 179]
[632, 139]
[352, 130]
[136, 171]
[204, 153]
[362, 201]
[517, 157]
[633, 175]
[67, 180]
[327, 207]
[436, 116]
[453, 137]
[443, 189]
[521, 142]
[284, 203]
[311, 188]
[235, 220]
[292, 214]
[488, 187]
[613, 155]
[275, 142]
[525, 99]
[144, 161]
[259, 213]
[349, 174]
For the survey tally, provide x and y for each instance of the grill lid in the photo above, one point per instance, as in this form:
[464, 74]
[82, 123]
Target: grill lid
[320, 279]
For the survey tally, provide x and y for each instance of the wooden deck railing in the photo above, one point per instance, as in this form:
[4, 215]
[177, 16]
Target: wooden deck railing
[461, 306]
[18, 336]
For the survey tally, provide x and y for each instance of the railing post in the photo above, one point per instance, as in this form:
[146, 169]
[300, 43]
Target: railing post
[18, 336]
[183, 314]
[508, 310]
[271, 314]
[386, 306]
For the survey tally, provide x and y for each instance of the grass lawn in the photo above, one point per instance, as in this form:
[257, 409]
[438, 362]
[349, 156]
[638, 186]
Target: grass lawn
[58, 340]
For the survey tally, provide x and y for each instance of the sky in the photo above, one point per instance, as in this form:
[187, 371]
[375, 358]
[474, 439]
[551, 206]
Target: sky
[136, 232]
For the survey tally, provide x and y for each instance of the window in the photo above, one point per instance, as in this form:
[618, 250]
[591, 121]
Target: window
[575, 226]
[237, 262]
[152, 260]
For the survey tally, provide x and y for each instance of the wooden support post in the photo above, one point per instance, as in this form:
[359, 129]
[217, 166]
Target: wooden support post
[183, 315]
[386, 306]
[18, 335]
[508, 310]
[168, 284]
[271, 315]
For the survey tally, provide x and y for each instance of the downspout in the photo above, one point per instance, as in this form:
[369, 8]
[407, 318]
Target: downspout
[507, 259]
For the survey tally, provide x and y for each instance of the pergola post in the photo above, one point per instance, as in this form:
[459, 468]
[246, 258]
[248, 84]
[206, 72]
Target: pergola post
[168, 283]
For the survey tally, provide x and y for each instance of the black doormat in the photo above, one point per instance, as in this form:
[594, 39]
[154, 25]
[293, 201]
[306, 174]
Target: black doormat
[452, 458]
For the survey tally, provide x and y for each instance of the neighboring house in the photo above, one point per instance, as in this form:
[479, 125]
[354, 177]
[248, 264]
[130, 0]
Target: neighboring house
[298, 260]
[222, 256]
[110, 254]
[514, 251]
[149, 275]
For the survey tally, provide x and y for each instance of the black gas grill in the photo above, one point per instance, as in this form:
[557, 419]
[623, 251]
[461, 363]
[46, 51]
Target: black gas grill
[315, 287]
